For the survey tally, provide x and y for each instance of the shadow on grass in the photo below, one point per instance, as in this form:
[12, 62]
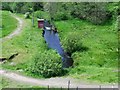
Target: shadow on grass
[82, 49]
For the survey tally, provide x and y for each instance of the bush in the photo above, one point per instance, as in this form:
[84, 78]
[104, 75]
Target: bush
[97, 13]
[61, 16]
[47, 64]
[113, 8]
[6, 6]
[72, 43]
[41, 14]
[26, 8]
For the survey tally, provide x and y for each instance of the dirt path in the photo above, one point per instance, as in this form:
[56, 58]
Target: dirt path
[52, 82]
[17, 30]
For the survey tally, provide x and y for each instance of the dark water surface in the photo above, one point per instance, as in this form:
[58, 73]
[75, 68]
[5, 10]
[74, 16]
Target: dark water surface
[53, 41]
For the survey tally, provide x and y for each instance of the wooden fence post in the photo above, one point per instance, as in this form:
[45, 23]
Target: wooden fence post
[61, 88]
[48, 87]
[100, 87]
[77, 88]
[113, 87]
[68, 84]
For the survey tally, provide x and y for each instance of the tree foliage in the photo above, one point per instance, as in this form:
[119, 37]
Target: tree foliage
[6, 6]
[57, 11]
[96, 13]
[42, 14]
[22, 7]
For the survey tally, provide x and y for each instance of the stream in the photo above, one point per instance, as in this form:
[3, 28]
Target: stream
[52, 39]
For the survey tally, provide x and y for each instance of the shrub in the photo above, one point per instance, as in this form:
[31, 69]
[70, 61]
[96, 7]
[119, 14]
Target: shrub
[47, 64]
[96, 13]
[6, 6]
[72, 42]
[61, 16]
[26, 8]
[113, 8]
[41, 14]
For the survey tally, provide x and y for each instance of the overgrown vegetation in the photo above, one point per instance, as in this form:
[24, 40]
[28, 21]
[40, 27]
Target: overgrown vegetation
[101, 51]
[22, 7]
[94, 48]
[47, 64]
[41, 15]
[96, 13]
[72, 42]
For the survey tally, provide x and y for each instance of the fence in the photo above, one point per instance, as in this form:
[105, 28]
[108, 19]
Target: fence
[100, 87]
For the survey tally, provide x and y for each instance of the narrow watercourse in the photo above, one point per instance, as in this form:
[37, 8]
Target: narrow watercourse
[52, 39]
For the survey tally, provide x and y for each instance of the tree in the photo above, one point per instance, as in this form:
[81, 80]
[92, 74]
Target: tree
[26, 7]
[96, 13]
[6, 6]
[37, 6]
[16, 6]
[57, 11]
[51, 8]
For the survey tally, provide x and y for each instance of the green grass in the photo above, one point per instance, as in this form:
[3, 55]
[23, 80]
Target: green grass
[101, 59]
[9, 24]
[8, 83]
[95, 64]
[101, 42]
[94, 74]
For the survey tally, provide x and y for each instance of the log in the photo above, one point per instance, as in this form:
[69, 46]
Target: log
[2, 59]
[13, 56]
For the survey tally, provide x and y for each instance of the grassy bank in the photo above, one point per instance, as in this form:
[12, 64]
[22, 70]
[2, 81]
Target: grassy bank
[101, 42]
[9, 24]
[97, 63]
